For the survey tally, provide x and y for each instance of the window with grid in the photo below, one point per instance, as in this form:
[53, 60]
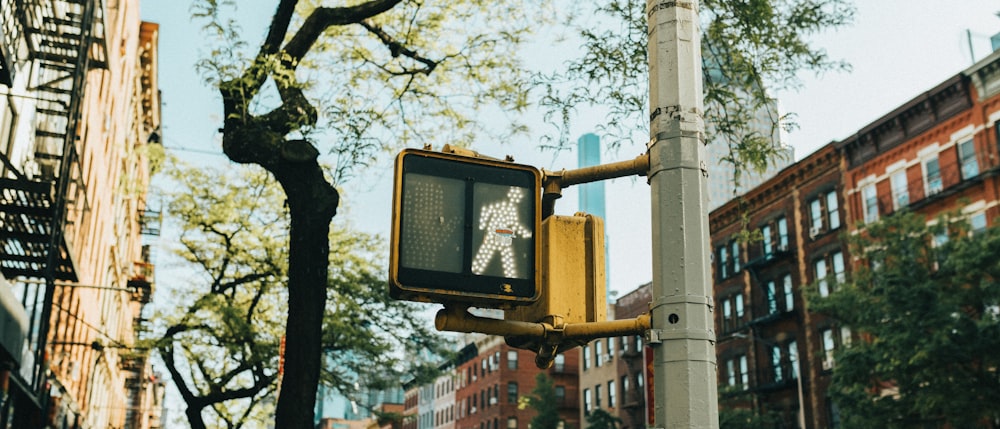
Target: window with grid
[587, 402]
[511, 359]
[736, 372]
[932, 176]
[511, 392]
[869, 202]
[611, 393]
[833, 338]
[778, 294]
[598, 357]
[727, 259]
[967, 159]
[830, 272]
[900, 189]
[732, 312]
[784, 358]
[978, 222]
[824, 213]
[774, 236]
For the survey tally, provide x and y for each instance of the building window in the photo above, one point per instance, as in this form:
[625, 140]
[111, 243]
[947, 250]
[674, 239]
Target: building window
[900, 189]
[778, 295]
[625, 388]
[511, 422]
[597, 353]
[932, 176]
[511, 392]
[869, 202]
[511, 359]
[586, 357]
[560, 364]
[728, 261]
[736, 372]
[978, 222]
[732, 312]
[793, 358]
[638, 380]
[774, 236]
[587, 404]
[830, 272]
[597, 396]
[776, 363]
[832, 340]
[786, 288]
[824, 213]
[560, 394]
[611, 347]
[611, 393]
[967, 158]
[784, 358]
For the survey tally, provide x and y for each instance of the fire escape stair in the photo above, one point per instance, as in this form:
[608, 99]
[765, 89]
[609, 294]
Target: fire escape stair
[65, 38]
[26, 210]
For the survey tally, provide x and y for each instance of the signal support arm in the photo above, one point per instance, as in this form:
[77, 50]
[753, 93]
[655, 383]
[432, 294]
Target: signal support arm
[549, 336]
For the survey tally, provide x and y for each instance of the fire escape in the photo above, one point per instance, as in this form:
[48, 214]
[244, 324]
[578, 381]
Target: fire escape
[65, 39]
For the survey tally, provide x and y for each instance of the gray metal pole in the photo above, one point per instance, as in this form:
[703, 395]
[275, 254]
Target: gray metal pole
[682, 337]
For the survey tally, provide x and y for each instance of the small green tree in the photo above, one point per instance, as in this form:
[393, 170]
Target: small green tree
[601, 419]
[926, 301]
[543, 401]
[743, 418]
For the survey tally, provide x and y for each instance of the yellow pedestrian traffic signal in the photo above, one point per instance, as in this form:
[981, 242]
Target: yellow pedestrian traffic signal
[464, 229]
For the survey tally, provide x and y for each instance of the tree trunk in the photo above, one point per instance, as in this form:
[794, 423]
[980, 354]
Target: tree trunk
[312, 204]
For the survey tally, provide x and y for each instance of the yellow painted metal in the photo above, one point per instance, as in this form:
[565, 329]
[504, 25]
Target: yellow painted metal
[573, 277]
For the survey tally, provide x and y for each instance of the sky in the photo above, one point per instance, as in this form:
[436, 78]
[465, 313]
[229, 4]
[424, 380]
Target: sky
[897, 48]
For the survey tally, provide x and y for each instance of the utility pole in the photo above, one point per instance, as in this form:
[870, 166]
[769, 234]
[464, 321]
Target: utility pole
[682, 335]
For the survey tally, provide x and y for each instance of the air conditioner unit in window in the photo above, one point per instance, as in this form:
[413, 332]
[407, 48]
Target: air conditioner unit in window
[813, 231]
[607, 358]
[493, 401]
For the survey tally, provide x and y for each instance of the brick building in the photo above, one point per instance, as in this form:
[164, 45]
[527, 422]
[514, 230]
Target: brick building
[763, 330]
[934, 154]
[481, 386]
[938, 152]
[631, 365]
[79, 105]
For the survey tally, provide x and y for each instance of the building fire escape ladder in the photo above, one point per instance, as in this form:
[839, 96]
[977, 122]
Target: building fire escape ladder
[66, 39]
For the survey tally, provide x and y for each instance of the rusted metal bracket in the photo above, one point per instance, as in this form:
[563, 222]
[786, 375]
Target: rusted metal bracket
[553, 182]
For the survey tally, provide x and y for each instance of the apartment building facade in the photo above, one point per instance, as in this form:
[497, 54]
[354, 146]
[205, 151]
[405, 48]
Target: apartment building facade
[482, 385]
[79, 108]
[612, 370]
[936, 153]
[773, 355]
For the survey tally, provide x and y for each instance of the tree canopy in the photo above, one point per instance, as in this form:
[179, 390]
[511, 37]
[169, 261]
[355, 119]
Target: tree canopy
[925, 298]
[220, 338]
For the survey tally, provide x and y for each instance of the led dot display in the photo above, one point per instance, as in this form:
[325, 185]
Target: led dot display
[503, 229]
[464, 230]
[432, 225]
